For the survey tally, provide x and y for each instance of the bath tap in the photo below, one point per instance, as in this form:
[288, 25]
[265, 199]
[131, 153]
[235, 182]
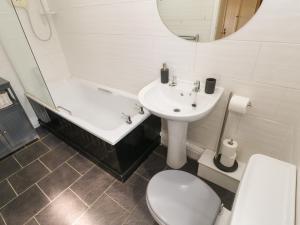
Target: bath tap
[140, 108]
[173, 82]
[196, 86]
[127, 117]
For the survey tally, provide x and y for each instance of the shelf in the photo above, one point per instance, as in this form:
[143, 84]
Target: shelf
[209, 171]
[10, 106]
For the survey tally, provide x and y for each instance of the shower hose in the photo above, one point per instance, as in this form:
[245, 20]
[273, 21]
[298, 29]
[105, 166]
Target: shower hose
[32, 27]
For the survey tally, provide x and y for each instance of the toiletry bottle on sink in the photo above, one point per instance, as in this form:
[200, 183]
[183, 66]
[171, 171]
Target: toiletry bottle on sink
[164, 74]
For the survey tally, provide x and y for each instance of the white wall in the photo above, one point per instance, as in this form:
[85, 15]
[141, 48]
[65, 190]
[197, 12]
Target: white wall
[122, 43]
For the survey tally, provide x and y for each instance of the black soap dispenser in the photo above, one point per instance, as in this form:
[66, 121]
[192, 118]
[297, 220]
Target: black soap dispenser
[164, 74]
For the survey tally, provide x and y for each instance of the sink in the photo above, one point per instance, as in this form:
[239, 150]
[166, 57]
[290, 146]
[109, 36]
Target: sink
[179, 105]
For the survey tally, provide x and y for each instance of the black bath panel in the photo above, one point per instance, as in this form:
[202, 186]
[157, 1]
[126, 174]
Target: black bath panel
[120, 160]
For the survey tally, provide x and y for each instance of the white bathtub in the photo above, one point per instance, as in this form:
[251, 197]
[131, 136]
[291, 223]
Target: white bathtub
[95, 108]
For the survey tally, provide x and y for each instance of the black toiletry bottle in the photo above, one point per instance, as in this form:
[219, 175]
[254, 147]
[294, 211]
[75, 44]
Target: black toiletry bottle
[164, 74]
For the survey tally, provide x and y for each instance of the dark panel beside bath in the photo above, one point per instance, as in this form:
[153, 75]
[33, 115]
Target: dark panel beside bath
[120, 160]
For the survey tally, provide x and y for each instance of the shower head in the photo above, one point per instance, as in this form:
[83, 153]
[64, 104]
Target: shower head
[20, 3]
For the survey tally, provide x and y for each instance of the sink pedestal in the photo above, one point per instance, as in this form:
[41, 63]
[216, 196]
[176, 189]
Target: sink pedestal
[177, 135]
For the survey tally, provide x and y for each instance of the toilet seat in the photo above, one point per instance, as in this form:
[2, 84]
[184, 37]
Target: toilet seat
[175, 198]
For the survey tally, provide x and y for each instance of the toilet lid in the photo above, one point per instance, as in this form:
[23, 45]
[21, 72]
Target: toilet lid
[178, 198]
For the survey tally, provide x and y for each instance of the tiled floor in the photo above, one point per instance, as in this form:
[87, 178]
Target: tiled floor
[49, 183]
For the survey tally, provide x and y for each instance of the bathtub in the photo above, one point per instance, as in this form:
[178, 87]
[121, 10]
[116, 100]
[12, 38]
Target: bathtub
[94, 120]
[96, 108]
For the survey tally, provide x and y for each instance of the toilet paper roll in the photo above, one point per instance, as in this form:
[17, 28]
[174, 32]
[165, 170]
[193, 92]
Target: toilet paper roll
[239, 104]
[229, 147]
[228, 161]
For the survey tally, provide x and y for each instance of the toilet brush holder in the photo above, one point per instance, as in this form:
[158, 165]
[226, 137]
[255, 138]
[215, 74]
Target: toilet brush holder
[220, 166]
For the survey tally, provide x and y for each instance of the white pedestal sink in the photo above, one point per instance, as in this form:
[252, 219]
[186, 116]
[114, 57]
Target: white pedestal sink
[179, 105]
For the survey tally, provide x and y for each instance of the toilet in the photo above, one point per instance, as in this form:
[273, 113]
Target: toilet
[266, 196]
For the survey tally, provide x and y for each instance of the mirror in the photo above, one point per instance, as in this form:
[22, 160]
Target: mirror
[206, 20]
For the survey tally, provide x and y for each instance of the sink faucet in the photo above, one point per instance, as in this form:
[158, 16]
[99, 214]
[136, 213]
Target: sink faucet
[196, 86]
[173, 82]
[140, 108]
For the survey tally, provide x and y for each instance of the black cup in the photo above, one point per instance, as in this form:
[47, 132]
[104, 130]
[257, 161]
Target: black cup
[210, 85]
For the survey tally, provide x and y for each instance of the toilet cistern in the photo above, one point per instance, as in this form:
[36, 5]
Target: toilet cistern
[175, 104]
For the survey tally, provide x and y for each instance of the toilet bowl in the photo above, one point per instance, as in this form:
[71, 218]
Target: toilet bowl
[176, 196]
[266, 196]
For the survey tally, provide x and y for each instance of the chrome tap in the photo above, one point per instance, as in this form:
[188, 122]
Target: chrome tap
[127, 118]
[173, 82]
[140, 108]
[196, 86]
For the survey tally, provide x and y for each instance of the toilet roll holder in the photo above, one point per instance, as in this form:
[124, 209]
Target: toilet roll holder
[218, 154]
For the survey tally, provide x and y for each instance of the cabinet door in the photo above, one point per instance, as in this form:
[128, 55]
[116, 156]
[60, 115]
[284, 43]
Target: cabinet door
[16, 127]
[4, 147]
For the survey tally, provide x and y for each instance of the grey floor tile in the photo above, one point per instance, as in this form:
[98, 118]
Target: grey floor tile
[151, 166]
[24, 206]
[162, 151]
[140, 215]
[32, 222]
[27, 176]
[57, 156]
[1, 221]
[42, 132]
[80, 163]
[128, 194]
[51, 141]
[62, 211]
[8, 166]
[30, 153]
[92, 184]
[57, 181]
[191, 167]
[104, 212]
[6, 193]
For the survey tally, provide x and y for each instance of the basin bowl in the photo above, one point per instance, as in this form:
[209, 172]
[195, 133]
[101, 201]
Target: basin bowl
[179, 105]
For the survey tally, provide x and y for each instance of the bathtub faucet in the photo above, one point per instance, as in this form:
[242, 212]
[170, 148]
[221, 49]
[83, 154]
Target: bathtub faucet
[140, 108]
[127, 117]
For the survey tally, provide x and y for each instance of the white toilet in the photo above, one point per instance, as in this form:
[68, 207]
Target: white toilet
[266, 196]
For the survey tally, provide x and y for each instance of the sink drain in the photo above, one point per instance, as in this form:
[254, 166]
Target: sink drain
[176, 110]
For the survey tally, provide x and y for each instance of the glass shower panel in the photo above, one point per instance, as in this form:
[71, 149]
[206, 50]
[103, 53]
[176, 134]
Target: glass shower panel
[15, 44]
